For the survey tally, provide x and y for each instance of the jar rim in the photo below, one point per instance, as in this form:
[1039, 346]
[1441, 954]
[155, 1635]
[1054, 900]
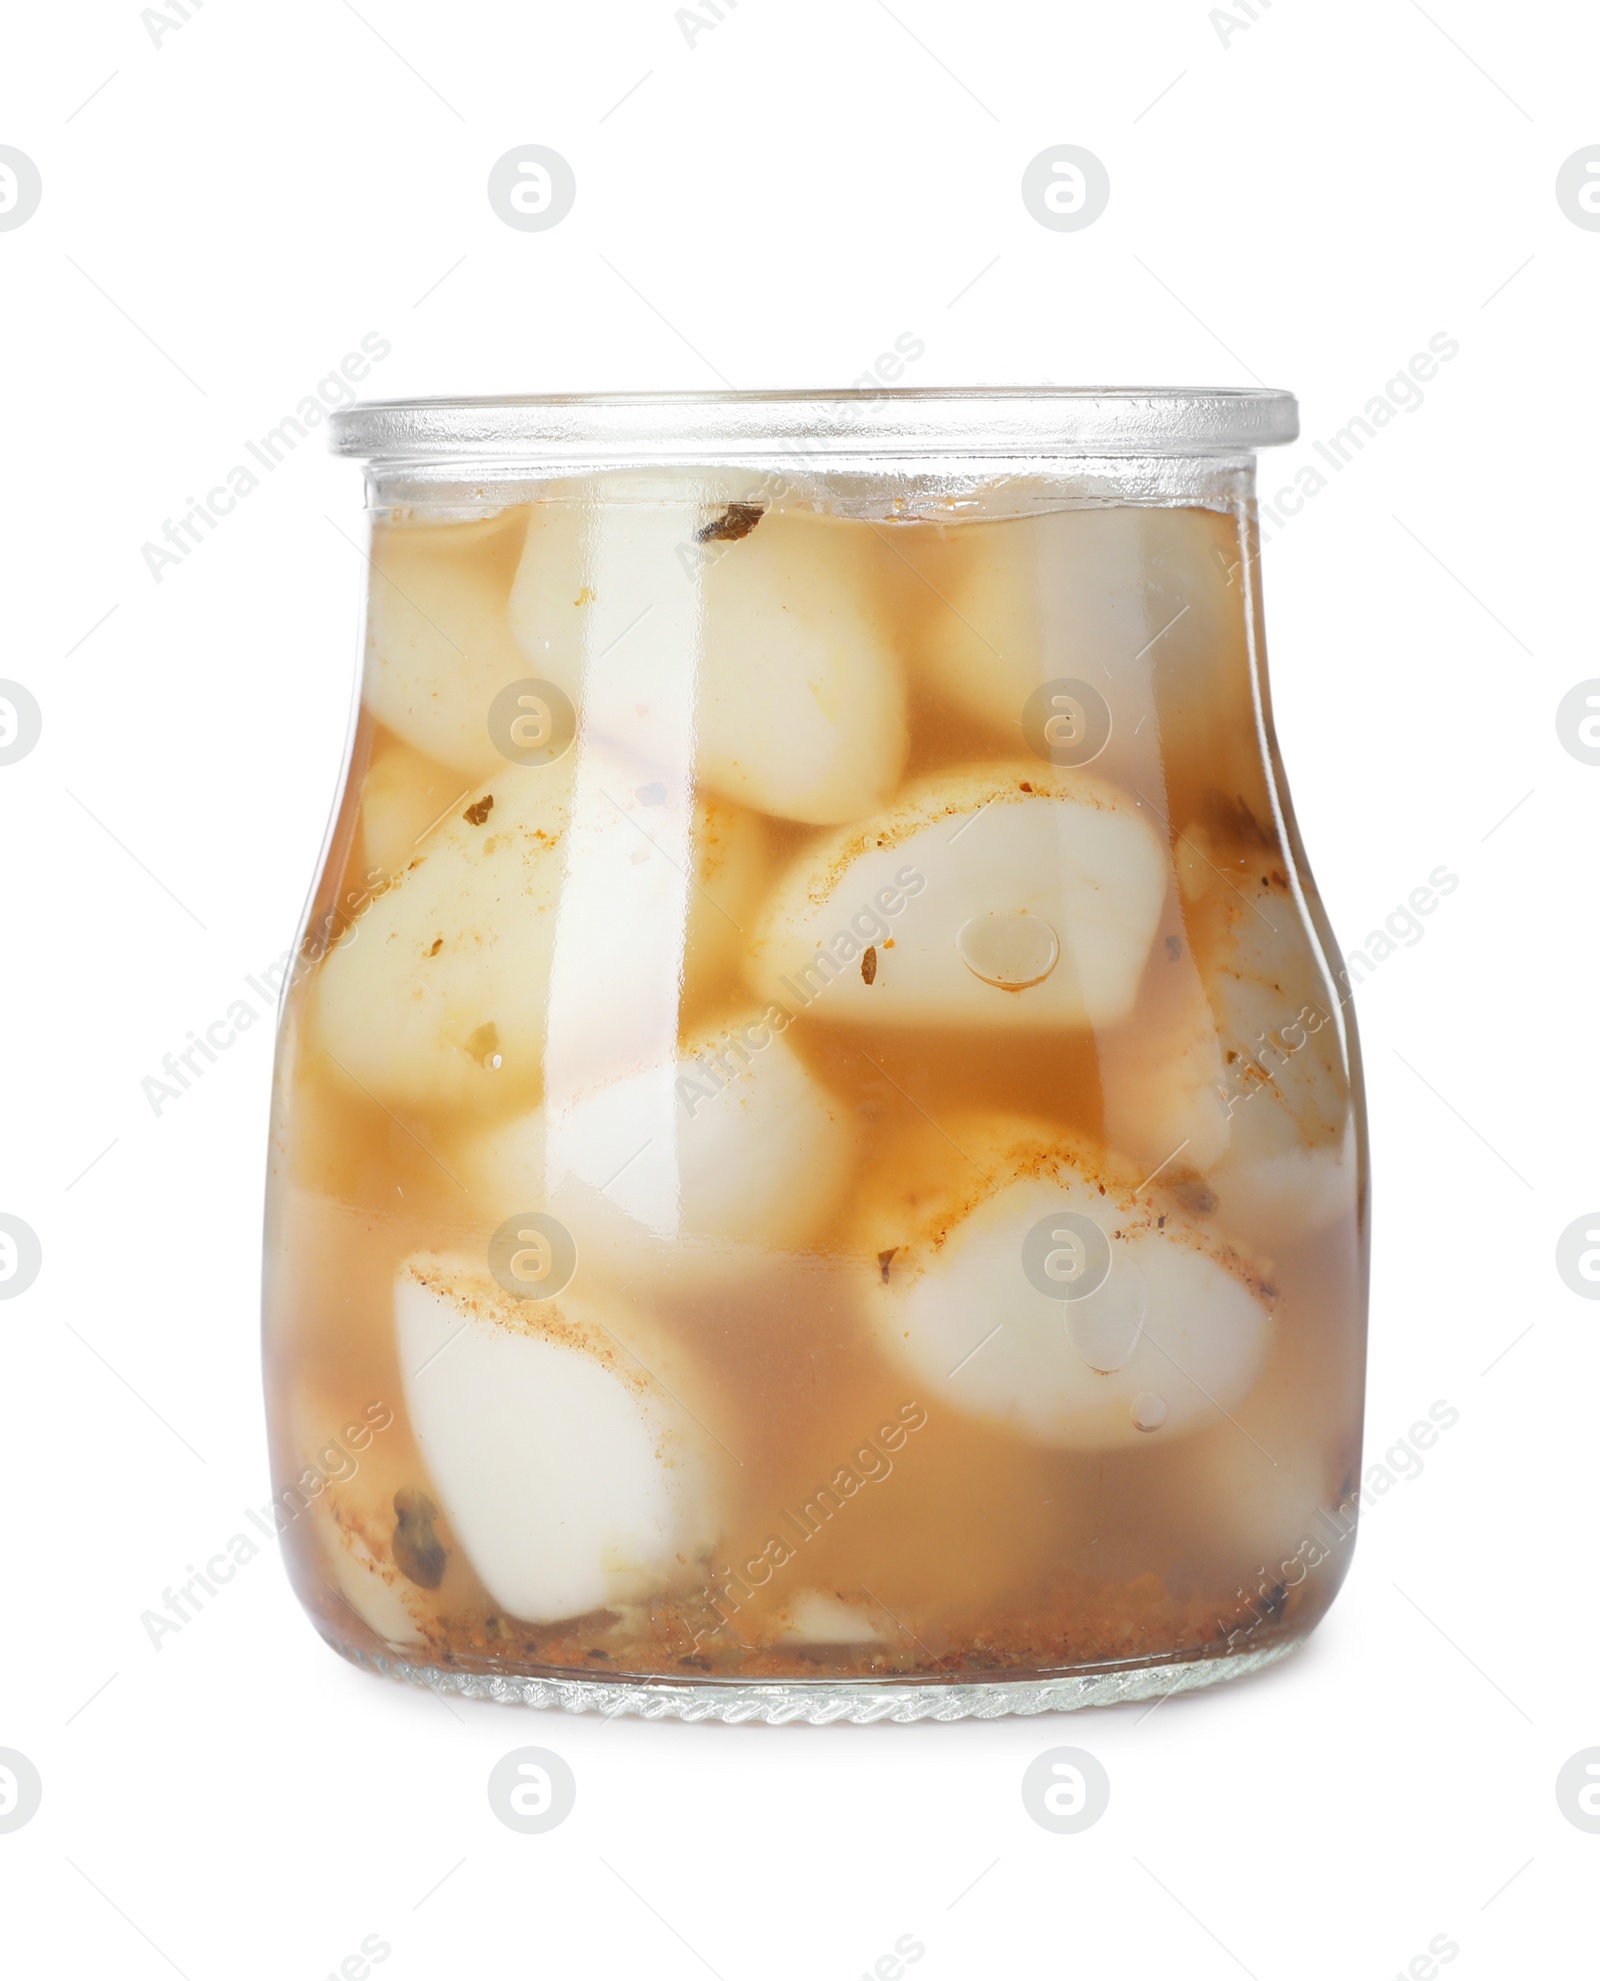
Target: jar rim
[897, 422]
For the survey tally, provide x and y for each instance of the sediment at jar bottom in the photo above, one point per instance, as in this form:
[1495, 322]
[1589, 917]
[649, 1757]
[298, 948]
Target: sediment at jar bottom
[820, 1187]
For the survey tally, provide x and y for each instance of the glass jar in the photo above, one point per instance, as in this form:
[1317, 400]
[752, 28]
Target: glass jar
[818, 1166]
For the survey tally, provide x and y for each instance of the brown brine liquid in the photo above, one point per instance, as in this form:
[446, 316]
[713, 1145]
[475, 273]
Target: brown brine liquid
[813, 1133]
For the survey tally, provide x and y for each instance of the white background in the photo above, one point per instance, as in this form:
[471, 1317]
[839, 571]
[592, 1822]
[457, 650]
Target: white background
[1304, 200]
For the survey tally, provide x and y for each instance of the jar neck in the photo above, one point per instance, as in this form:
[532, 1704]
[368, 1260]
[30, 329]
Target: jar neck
[957, 488]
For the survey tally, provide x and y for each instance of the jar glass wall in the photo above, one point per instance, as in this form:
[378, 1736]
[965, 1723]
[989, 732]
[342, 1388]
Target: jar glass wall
[817, 1165]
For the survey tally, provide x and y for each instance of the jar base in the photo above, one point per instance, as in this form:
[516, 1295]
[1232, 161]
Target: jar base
[824, 1701]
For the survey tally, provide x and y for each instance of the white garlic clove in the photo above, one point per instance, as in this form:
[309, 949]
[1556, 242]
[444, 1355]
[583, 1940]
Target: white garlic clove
[438, 996]
[688, 1172]
[1291, 1195]
[817, 1617]
[732, 867]
[1288, 1169]
[572, 1478]
[1161, 1073]
[1268, 1519]
[1133, 602]
[374, 1589]
[405, 796]
[1167, 1331]
[550, 610]
[435, 997]
[998, 895]
[787, 631]
[802, 694]
[439, 643]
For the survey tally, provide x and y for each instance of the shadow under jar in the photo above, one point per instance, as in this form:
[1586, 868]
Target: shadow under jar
[817, 1166]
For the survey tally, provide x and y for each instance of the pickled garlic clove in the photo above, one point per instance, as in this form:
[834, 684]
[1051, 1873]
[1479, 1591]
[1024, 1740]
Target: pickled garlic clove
[439, 644]
[434, 998]
[686, 1172]
[658, 884]
[817, 1617]
[1167, 1329]
[549, 609]
[1161, 1073]
[802, 694]
[369, 1582]
[966, 868]
[1143, 604]
[732, 867]
[1013, 604]
[572, 1477]
[1276, 1519]
[1277, 1199]
[1288, 1168]
[404, 797]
